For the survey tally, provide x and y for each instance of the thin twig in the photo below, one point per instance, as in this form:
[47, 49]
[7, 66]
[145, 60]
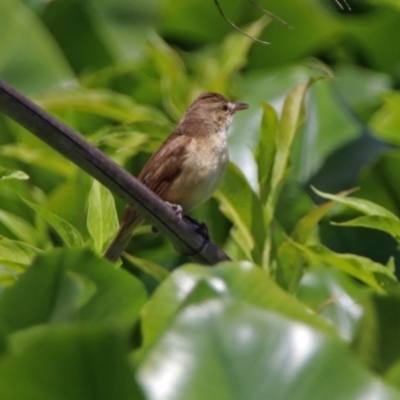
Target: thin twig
[182, 234]
[252, 2]
[341, 6]
[236, 27]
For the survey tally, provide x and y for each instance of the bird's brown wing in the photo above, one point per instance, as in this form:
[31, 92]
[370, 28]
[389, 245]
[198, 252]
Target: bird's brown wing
[165, 164]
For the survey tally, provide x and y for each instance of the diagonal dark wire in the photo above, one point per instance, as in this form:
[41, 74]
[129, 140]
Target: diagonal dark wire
[341, 6]
[183, 234]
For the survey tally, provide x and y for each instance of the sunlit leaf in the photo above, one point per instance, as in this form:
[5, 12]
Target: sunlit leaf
[102, 219]
[241, 205]
[292, 115]
[306, 224]
[102, 102]
[6, 173]
[265, 151]
[242, 281]
[250, 353]
[17, 252]
[386, 120]
[334, 295]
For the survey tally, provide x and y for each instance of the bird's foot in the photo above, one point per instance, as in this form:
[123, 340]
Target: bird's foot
[201, 227]
[177, 209]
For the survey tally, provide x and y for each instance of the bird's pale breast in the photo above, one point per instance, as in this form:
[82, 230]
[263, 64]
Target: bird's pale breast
[202, 171]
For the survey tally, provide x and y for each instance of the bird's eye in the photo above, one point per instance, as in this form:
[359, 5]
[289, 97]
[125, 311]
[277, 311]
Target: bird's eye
[225, 107]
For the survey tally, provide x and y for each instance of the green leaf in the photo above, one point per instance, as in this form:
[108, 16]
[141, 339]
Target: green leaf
[6, 173]
[17, 252]
[378, 182]
[392, 376]
[70, 235]
[250, 353]
[102, 218]
[386, 120]
[265, 151]
[290, 266]
[377, 339]
[364, 206]
[215, 71]
[306, 224]
[388, 225]
[23, 230]
[241, 205]
[149, 267]
[29, 59]
[292, 116]
[334, 295]
[72, 286]
[69, 363]
[242, 281]
[103, 102]
[371, 273]
[173, 75]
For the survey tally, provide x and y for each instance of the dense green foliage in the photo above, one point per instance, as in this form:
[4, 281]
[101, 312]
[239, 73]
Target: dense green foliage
[310, 306]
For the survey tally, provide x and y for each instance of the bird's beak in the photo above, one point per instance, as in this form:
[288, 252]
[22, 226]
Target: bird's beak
[239, 106]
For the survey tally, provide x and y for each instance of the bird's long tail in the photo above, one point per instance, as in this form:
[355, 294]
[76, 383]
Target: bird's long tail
[130, 221]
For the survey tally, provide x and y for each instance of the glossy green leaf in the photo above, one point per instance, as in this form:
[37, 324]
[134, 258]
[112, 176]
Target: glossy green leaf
[6, 173]
[242, 281]
[69, 363]
[70, 235]
[250, 353]
[72, 285]
[102, 218]
[334, 295]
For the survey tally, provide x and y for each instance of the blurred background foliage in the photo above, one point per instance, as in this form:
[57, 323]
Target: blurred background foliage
[121, 72]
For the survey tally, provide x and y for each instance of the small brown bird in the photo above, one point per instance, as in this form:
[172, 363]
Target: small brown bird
[188, 167]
